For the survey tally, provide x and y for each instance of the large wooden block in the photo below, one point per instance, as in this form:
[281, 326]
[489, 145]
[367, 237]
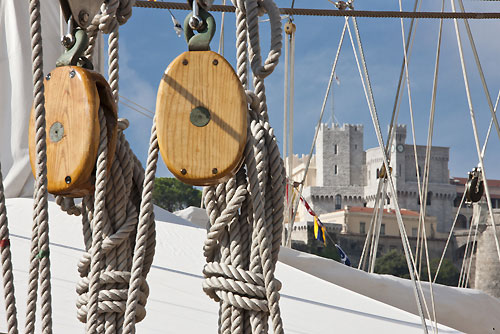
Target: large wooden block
[73, 97]
[201, 118]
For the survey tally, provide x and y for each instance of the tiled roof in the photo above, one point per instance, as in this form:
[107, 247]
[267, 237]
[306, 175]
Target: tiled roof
[404, 212]
[463, 180]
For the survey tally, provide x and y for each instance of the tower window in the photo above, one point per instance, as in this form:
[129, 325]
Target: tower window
[335, 149]
[382, 229]
[429, 198]
[336, 170]
[362, 227]
[355, 146]
[338, 202]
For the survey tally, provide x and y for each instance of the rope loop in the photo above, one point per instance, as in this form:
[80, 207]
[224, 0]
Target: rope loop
[254, 9]
[244, 237]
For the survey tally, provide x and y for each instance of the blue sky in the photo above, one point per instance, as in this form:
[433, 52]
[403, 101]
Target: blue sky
[148, 44]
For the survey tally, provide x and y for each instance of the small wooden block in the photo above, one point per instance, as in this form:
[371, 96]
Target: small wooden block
[201, 118]
[73, 97]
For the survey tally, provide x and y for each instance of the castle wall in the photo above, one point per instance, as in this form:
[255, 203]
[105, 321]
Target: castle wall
[487, 273]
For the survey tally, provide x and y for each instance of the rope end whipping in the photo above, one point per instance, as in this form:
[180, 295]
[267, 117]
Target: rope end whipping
[4, 243]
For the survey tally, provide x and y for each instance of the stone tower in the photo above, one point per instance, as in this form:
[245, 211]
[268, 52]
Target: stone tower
[339, 156]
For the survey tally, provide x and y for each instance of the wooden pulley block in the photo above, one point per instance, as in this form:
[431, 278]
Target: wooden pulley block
[73, 96]
[201, 118]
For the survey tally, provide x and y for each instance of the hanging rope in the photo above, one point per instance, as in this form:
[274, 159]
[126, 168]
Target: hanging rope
[246, 212]
[5, 257]
[39, 270]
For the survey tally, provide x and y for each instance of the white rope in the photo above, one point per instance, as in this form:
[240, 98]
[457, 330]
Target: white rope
[377, 228]
[394, 118]
[222, 28]
[39, 258]
[286, 115]
[474, 245]
[318, 125]
[462, 201]
[373, 112]
[371, 226]
[424, 191]
[462, 269]
[6, 261]
[474, 127]
[246, 212]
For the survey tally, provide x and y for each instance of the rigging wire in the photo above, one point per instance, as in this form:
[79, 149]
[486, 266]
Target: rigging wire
[394, 117]
[135, 109]
[449, 238]
[137, 104]
[221, 36]
[373, 112]
[331, 12]
[473, 118]
[424, 191]
[308, 162]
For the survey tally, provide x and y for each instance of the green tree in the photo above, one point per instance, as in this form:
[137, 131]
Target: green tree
[172, 195]
[448, 273]
[394, 263]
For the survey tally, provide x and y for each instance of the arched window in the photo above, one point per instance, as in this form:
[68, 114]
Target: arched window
[338, 202]
[429, 198]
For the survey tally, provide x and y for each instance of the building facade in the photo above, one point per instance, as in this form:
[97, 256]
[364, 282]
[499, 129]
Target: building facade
[344, 174]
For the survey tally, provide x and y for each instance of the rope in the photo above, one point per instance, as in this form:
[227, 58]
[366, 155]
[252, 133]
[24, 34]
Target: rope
[112, 289]
[395, 113]
[112, 260]
[246, 212]
[474, 127]
[39, 265]
[313, 144]
[493, 116]
[424, 191]
[5, 258]
[221, 36]
[449, 238]
[329, 12]
[404, 237]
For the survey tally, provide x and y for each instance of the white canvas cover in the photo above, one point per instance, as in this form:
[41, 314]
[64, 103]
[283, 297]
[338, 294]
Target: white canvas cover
[176, 302]
[16, 86]
[468, 310]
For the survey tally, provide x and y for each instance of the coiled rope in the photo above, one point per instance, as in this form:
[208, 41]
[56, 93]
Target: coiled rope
[110, 216]
[246, 212]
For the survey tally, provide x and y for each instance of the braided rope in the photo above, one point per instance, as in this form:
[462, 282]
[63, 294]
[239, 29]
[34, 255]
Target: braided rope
[145, 241]
[117, 237]
[39, 259]
[250, 215]
[5, 257]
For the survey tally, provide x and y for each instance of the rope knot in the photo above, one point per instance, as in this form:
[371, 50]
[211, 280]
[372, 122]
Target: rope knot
[112, 297]
[240, 288]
